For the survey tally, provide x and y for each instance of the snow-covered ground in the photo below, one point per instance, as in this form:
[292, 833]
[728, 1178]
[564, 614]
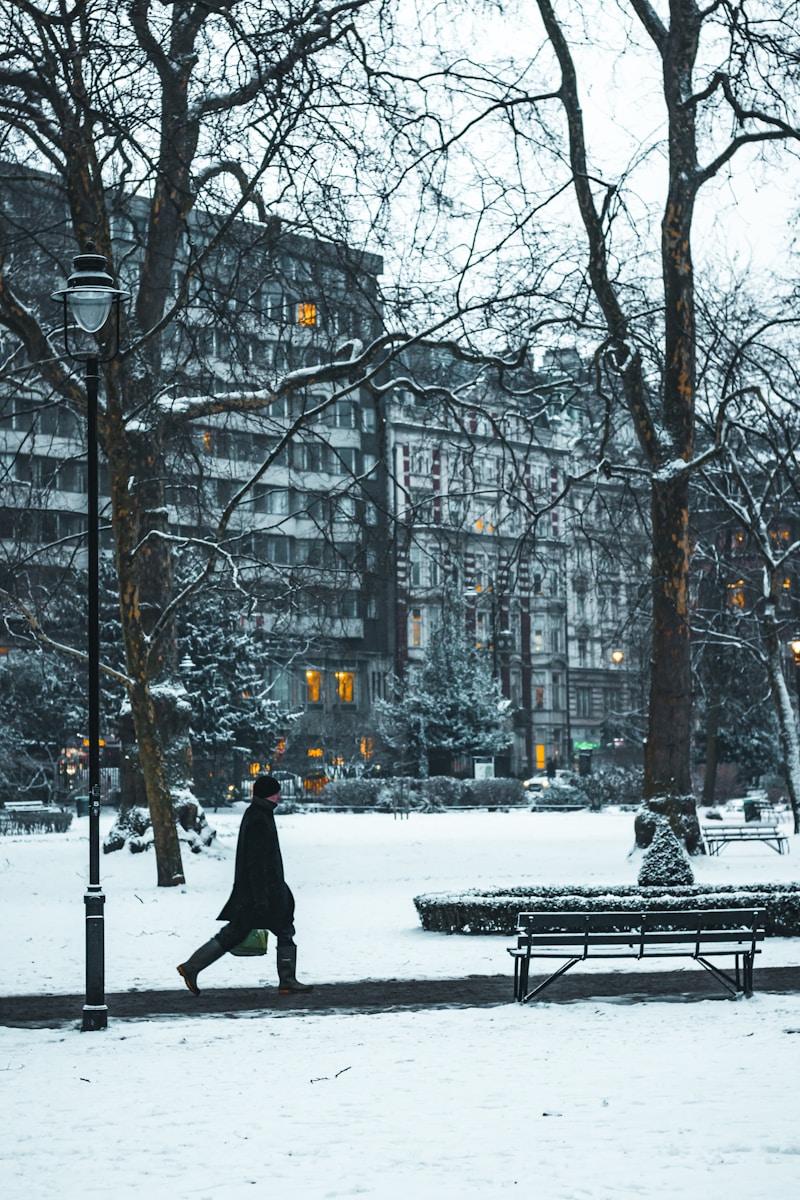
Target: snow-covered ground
[583, 1101]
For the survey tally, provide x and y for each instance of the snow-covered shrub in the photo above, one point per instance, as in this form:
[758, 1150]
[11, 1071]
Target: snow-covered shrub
[346, 793]
[134, 829]
[442, 791]
[617, 785]
[494, 793]
[665, 863]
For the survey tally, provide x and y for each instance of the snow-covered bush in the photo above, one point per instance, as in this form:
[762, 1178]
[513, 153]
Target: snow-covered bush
[493, 793]
[442, 791]
[665, 864]
[345, 793]
[617, 785]
[134, 829]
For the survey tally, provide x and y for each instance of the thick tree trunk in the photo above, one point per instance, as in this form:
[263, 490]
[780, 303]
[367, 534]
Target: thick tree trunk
[667, 752]
[169, 865]
[140, 573]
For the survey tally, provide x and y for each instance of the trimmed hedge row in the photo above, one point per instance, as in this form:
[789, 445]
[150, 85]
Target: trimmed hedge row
[36, 820]
[497, 911]
[425, 795]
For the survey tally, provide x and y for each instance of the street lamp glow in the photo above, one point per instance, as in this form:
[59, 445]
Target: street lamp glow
[794, 646]
[617, 656]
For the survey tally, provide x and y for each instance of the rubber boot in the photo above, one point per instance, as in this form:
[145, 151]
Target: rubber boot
[202, 958]
[287, 965]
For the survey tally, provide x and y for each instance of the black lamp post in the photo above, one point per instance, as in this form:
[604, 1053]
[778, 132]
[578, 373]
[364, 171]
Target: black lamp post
[88, 300]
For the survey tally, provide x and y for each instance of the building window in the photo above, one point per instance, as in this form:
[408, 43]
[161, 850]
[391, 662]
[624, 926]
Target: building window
[345, 686]
[736, 594]
[583, 701]
[483, 632]
[313, 687]
[306, 314]
[556, 682]
[538, 641]
[540, 697]
[416, 627]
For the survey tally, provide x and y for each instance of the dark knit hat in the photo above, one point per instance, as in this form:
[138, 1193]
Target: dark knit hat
[265, 786]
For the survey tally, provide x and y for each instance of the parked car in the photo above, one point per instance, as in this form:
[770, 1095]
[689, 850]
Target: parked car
[538, 783]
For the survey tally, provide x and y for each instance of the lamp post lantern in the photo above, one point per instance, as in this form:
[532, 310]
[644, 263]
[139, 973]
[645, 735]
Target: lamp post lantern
[88, 299]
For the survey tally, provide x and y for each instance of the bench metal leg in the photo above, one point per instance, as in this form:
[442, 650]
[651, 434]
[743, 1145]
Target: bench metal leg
[526, 996]
[740, 983]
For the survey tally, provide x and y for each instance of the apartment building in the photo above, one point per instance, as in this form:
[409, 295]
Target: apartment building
[367, 505]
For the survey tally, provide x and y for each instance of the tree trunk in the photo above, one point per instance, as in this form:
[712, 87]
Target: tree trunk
[130, 512]
[667, 752]
[712, 731]
[787, 722]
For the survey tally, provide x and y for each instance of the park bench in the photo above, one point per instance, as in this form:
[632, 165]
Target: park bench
[717, 836]
[701, 934]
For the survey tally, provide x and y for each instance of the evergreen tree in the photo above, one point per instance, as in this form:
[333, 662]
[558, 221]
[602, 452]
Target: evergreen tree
[452, 706]
[226, 672]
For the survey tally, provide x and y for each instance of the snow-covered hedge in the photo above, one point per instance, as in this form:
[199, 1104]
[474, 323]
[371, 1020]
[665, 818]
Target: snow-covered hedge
[438, 792]
[497, 911]
[36, 820]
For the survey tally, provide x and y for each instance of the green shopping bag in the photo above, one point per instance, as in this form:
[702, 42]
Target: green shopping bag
[254, 943]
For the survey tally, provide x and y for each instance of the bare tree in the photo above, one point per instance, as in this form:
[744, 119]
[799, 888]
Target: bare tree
[722, 79]
[147, 117]
[755, 484]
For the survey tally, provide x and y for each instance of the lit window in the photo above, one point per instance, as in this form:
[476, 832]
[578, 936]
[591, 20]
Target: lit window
[345, 683]
[540, 697]
[208, 441]
[306, 314]
[314, 752]
[736, 594]
[313, 687]
[366, 747]
[416, 627]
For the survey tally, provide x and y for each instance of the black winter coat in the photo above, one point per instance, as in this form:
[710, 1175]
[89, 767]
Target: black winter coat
[260, 898]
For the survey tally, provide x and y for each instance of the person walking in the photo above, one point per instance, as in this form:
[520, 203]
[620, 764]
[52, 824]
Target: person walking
[261, 898]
